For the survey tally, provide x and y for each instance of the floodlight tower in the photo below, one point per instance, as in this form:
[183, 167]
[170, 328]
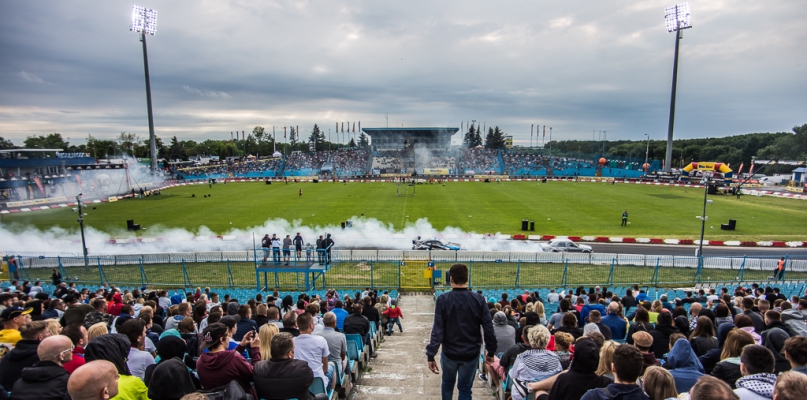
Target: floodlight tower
[144, 20]
[676, 19]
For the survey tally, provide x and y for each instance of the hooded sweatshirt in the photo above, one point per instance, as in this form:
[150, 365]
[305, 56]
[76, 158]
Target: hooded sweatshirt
[22, 356]
[580, 378]
[218, 369]
[117, 304]
[774, 340]
[46, 380]
[684, 366]
[794, 321]
[728, 371]
[756, 387]
[661, 338]
[170, 380]
[712, 357]
[505, 334]
[754, 334]
[115, 348]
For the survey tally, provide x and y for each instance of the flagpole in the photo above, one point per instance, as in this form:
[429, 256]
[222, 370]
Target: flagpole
[274, 141]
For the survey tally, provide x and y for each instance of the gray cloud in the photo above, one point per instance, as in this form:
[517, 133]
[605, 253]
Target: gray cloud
[226, 65]
[28, 77]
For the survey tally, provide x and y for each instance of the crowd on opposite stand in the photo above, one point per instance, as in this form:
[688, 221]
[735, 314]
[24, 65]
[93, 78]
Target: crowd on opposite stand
[353, 161]
[141, 344]
[513, 162]
[272, 164]
[479, 160]
[711, 344]
[306, 160]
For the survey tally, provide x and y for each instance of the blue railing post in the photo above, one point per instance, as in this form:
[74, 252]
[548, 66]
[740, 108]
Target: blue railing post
[741, 273]
[143, 278]
[518, 275]
[470, 273]
[101, 274]
[186, 279]
[62, 271]
[655, 271]
[611, 274]
[258, 280]
[230, 274]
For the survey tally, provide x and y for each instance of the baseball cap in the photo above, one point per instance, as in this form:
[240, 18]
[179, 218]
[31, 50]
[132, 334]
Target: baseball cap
[230, 320]
[13, 312]
[213, 334]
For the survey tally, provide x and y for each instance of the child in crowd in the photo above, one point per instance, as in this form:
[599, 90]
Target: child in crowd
[394, 314]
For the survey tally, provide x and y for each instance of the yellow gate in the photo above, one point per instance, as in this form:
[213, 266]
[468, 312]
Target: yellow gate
[415, 274]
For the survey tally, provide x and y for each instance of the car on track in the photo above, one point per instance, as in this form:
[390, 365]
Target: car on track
[566, 245]
[434, 244]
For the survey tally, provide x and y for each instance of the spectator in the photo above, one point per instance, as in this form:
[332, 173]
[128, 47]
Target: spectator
[644, 342]
[745, 323]
[774, 339]
[371, 313]
[117, 304]
[283, 376]
[535, 364]
[501, 366]
[314, 349]
[606, 359]
[76, 311]
[24, 353]
[273, 315]
[13, 318]
[96, 330]
[505, 334]
[626, 367]
[357, 323]
[703, 337]
[290, 324]
[138, 359]
[47, 379]
[569, 325]
[563, 347]
[183, 311]
[261, 317]
[728, 369]
[337, 343]
[78, 335]
[341, 314]
[581, 376]
[713, 356]
[170, 378]
[684, 365]
[266, 333]
[722, 315]
[711, 388]
[115, 349]
[617, 325]
[628, 301]
[661, 333]
[220, 366]
[96, 380]
[641, 323]
[757, 365]
[460, 318]
[594, 318]
[759, 322]
[790, 386]
[659, 384]
[795, 350]
[245, 323]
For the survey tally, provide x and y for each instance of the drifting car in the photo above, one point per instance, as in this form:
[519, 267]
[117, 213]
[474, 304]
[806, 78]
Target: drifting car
[560, 245]
[434, 244]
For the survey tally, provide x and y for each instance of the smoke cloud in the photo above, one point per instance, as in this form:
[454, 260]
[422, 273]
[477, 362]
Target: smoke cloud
[365, 233]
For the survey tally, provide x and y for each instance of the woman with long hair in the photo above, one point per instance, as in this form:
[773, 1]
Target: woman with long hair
[728, 369]
[267, 332]
[606, 359]
[703, 337]
[287, 305]
[659, 384]
[641, 322]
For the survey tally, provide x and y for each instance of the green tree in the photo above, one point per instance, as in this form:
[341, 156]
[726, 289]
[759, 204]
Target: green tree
[176, 151]
[51, 141]
[318, 138]
[351, 144]
[472, 137]
[494, 139]
[258, 132]
[126, 142]
[364, 141]
[6, 144]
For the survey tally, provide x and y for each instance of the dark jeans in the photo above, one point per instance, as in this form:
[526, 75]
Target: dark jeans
[460, 372]
[392, 322]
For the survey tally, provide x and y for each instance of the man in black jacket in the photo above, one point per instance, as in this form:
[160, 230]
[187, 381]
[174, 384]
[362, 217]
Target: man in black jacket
[358, 324]
[46, 379]
[458, 317]
[24, 354]
[283, 377]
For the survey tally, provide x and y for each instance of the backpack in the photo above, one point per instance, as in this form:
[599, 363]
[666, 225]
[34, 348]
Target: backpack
[231, 391]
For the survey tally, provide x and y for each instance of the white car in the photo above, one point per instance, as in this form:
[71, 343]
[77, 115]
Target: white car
[557, 245]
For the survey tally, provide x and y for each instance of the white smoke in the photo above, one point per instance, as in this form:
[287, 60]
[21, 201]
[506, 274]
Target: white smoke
[365, 233]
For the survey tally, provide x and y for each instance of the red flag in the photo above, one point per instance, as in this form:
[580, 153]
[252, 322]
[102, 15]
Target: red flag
[78, 179]
[39, 185]
[740, 171]
[751, 170]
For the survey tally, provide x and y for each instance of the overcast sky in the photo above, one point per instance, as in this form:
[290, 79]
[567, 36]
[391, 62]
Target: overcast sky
[578, 66]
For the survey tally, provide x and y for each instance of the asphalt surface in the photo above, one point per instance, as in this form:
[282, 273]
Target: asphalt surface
[689, 250]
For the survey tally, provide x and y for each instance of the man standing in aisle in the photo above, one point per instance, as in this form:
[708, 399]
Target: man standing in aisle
[458, 317]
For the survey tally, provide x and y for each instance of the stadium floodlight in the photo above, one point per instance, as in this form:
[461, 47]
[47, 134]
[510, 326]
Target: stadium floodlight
[144, 21]
[676, 18]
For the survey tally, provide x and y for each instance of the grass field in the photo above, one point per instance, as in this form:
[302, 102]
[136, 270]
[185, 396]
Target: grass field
[558, 208]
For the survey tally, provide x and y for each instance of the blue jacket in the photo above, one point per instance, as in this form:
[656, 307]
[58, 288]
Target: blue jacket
[684, 366]
[618, 326]
[341, 314]
[458, 315]
[587, 309]
[642, 297]
[617, 391]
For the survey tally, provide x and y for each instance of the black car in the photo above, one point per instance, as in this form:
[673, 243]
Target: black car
[434, 244]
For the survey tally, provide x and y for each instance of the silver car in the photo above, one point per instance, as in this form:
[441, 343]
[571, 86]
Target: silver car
[558, 245]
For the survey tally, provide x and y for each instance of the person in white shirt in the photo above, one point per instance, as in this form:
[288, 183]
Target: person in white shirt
[552, 297]
[313, 349]
[139, 358]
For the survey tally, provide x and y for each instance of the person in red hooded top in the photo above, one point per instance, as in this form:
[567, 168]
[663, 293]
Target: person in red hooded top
[117, 304]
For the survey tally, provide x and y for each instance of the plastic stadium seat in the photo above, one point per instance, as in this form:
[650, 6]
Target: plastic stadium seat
[318, 386]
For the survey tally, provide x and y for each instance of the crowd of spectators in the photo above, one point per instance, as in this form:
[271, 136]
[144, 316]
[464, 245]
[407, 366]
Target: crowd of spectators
[257, 166]
[349, 162]
[594, 344]
[515, 162]
[300, 160]
[84, 344]
[249, 166]
[436, 160]
[386, 160]
[479, 160]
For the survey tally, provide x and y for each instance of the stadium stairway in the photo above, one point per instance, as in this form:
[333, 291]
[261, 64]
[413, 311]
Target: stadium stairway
[401, 369]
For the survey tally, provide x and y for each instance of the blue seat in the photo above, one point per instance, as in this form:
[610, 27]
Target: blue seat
[318, 386]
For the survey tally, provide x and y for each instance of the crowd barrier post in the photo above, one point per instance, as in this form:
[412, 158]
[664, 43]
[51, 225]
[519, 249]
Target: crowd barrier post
[372, 274]
[565, 273]
[229, 274]
[101, 274]
[470, 273]
[22, 269]
[399, 274]
[143, 278]
[62, 271]
[518, 275]
[699, 270]
[741, 272]
[611, 274]
[186, 279]
[655, 271]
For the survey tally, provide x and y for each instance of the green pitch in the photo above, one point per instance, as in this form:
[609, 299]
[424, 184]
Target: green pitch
[558, 208]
